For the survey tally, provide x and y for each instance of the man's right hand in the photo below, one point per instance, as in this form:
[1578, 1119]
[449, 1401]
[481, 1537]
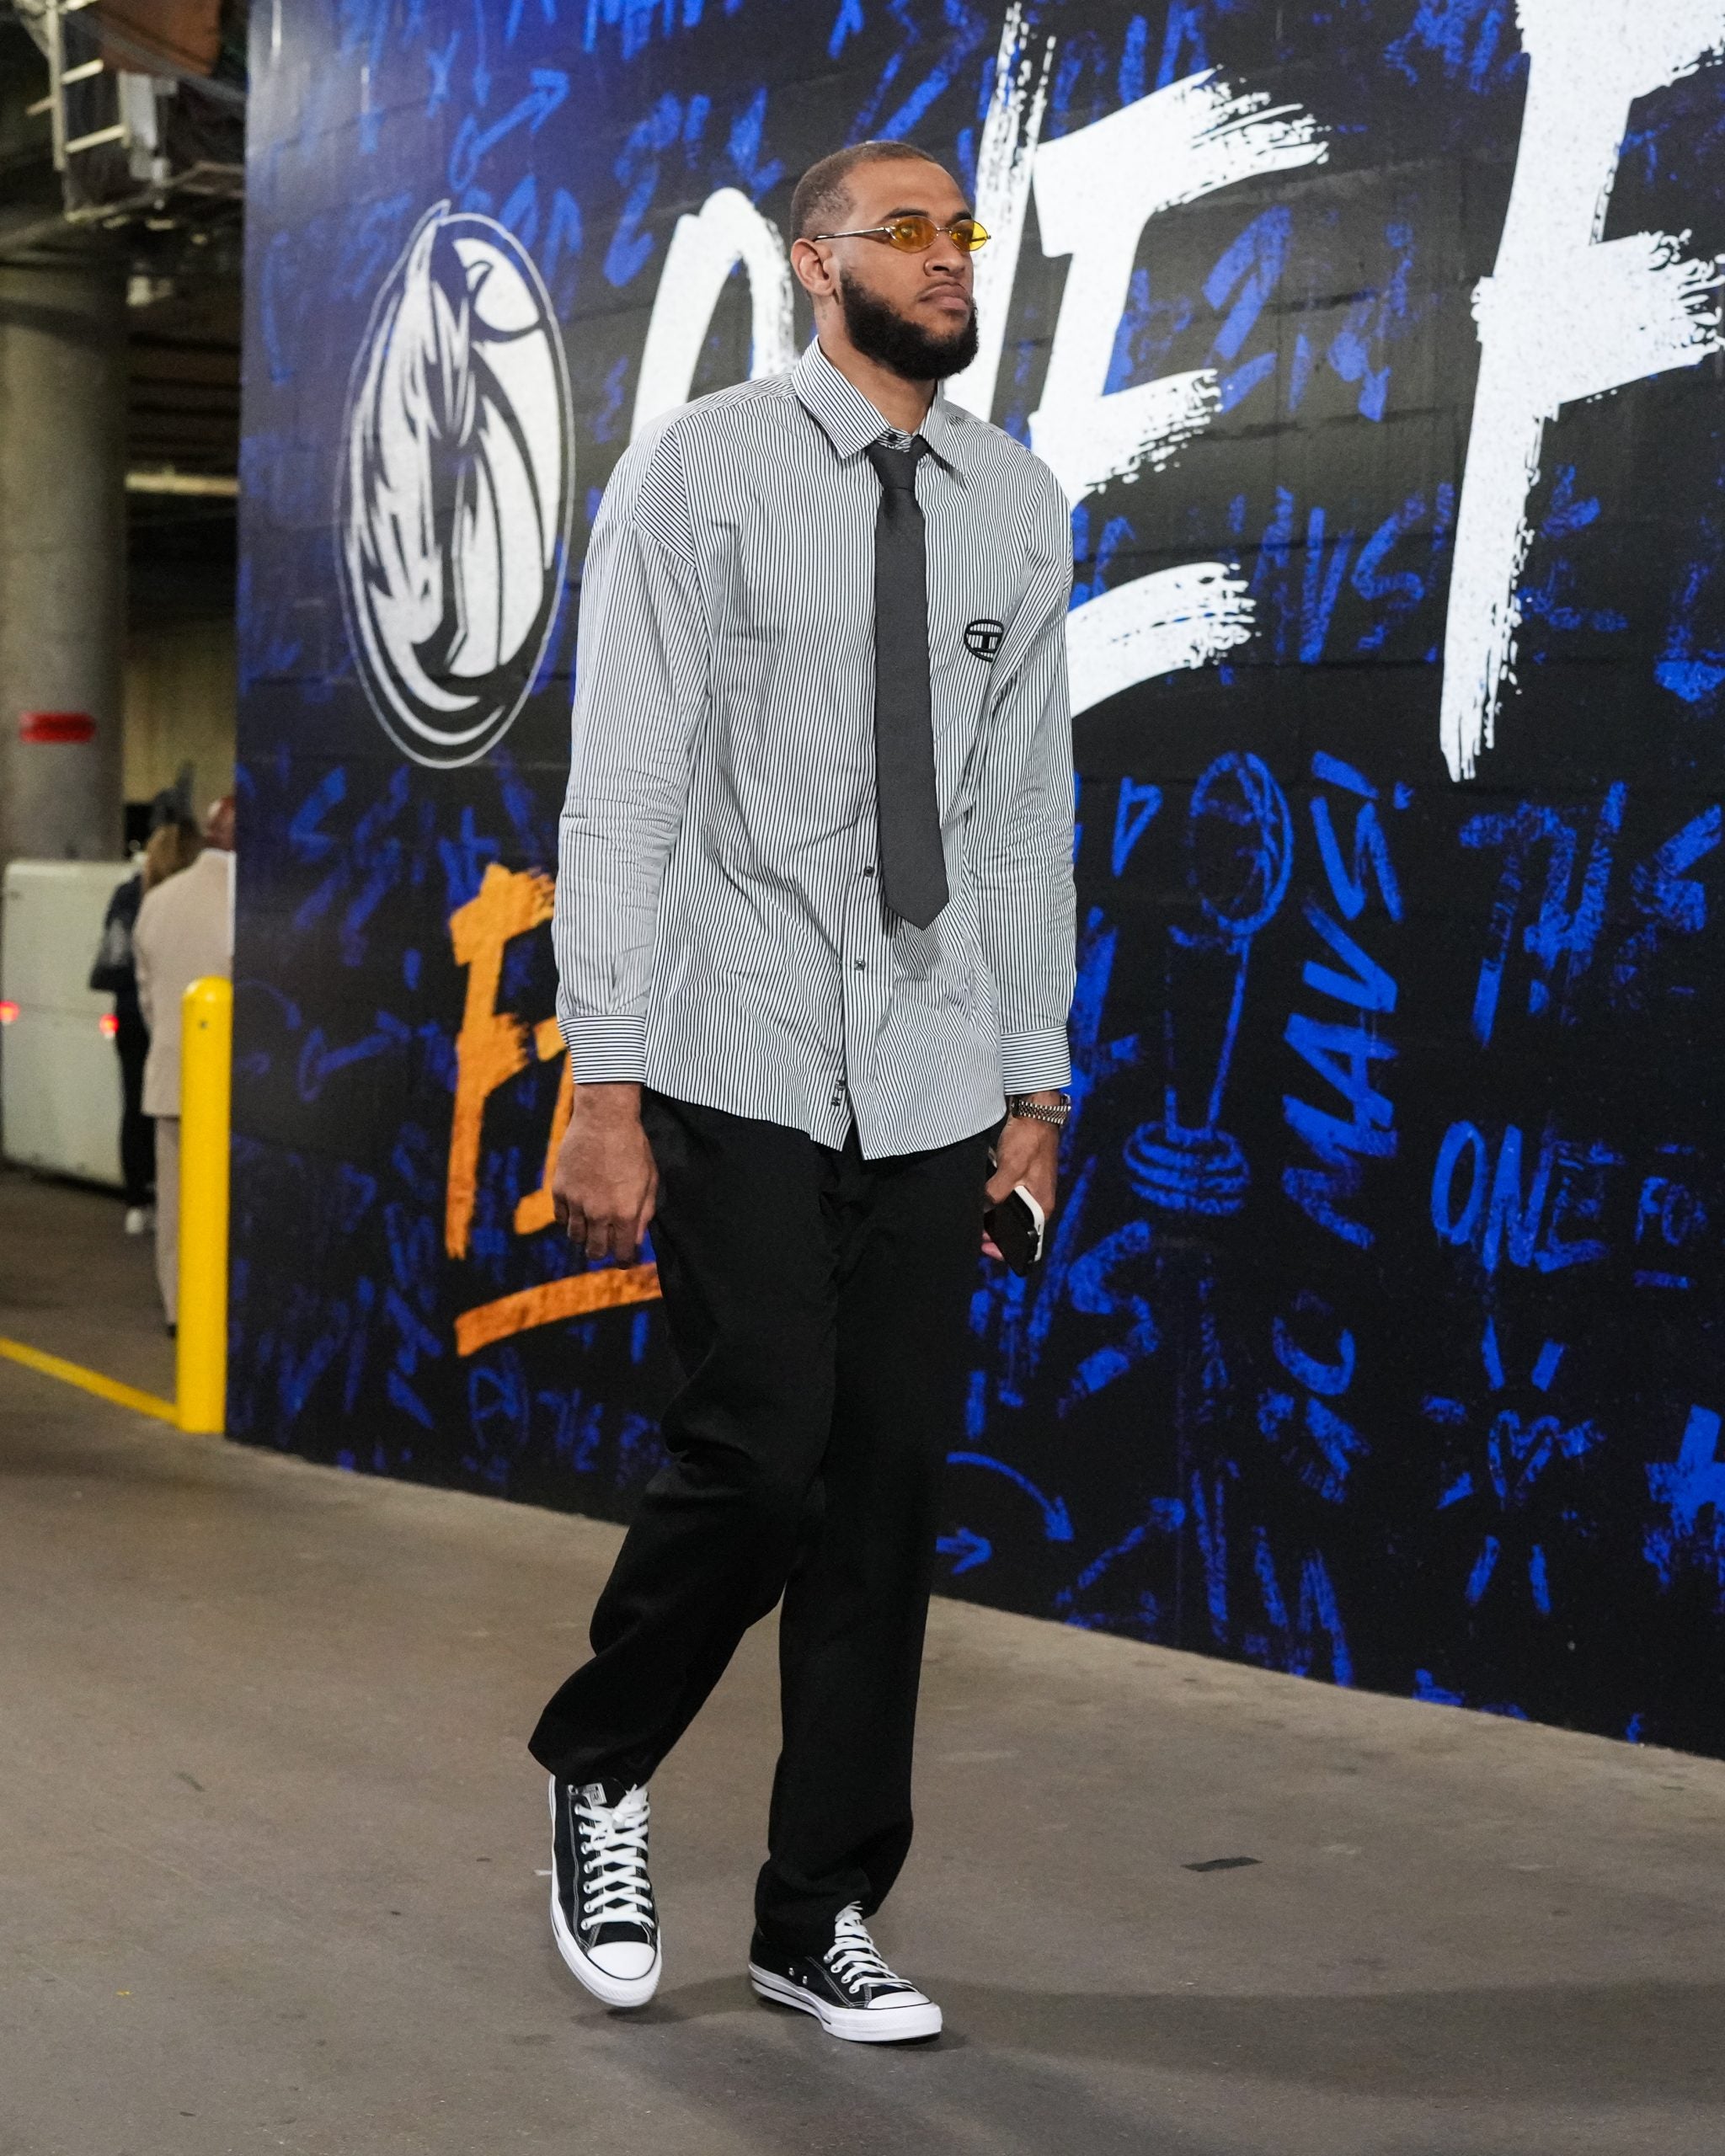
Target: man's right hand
[605, 1185]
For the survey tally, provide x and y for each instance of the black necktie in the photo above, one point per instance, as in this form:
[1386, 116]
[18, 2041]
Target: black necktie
[913, 872]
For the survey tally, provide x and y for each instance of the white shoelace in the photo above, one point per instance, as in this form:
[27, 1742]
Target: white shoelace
[853, 1956]
[615, 1888]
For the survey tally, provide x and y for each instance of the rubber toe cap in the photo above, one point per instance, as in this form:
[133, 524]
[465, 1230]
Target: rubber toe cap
[627, 1960]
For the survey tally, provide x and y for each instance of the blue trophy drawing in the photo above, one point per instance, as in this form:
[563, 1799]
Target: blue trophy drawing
[1239, 856]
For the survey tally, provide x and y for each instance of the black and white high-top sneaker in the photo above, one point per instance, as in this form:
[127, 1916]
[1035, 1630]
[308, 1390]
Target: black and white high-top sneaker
[849, 1989]
[602, 1915]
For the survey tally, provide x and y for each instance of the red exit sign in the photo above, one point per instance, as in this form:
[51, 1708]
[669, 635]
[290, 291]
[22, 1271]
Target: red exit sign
[56, 726]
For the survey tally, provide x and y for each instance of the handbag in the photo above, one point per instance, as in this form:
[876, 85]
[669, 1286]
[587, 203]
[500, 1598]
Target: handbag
[114, 973]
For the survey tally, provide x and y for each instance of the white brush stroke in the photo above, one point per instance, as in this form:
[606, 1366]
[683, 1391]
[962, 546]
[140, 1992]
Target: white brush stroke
[1564, 316]
[704, 249]
[1010, 134]
[1160, 624]
[1096, 190]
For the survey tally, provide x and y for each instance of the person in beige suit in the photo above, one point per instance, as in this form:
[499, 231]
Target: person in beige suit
[185, 933]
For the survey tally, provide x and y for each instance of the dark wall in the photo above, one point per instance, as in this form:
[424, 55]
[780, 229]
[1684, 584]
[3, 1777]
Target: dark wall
[1378, 1341]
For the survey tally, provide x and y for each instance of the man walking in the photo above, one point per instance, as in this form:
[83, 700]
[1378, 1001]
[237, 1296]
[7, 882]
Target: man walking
[815, 938]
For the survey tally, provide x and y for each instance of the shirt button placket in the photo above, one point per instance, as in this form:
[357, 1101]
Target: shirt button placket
[866, 903]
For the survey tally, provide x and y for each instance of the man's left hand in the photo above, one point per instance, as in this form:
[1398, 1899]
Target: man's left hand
[1027, 1152]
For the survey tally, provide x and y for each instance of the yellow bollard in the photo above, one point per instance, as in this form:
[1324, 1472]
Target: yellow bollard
[206, 1072]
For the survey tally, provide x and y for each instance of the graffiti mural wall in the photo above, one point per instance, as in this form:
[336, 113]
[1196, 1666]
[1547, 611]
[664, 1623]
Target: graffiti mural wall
[1376, 345]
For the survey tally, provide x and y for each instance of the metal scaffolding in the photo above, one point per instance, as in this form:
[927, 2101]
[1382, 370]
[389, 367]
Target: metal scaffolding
[116, 145]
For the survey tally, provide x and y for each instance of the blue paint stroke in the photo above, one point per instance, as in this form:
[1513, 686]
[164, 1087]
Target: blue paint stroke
[1325, 1466]
[847, 23]
[1097, 1566]
[1401, 592]
[966, 1549]
[1370, 853]
[1693, 676]
[637, 169]
[1322, 586]
[318, 1062]
[1467, 36]
[1057, 1524]
[1184, 51]
[1184, 1162]
[1565, 929]
[1694, 1485]
[1319, 1617]
[1480, 1578]
[1208, 1525]
[1671, 901]
[307, 839]
[968, 27]
[1365, 985]
[1247, 275]
[744, 150]
[551, 88]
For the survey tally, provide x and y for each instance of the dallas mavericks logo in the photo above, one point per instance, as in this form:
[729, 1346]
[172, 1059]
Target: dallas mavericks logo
[457, 488]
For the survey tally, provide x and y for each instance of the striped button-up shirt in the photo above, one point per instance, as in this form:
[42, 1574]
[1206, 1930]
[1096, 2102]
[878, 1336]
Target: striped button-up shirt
[720, 929]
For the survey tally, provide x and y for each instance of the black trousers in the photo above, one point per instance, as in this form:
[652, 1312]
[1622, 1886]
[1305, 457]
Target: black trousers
[137, 1131]
[817, 1305]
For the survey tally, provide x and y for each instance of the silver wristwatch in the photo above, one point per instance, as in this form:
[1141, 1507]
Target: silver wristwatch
[1055, 1112]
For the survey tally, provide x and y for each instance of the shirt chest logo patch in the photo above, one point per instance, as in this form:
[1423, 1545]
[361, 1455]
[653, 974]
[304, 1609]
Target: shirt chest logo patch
[984, 638]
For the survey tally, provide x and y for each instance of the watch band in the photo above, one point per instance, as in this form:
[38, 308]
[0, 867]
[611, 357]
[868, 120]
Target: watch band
[1055, 1114]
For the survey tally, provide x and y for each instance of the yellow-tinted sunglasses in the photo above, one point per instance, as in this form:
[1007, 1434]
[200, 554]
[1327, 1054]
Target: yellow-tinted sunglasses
[916, 235]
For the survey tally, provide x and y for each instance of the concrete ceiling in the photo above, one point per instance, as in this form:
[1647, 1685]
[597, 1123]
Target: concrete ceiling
[183, 270]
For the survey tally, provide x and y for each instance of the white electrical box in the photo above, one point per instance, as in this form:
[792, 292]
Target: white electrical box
[60, 1097]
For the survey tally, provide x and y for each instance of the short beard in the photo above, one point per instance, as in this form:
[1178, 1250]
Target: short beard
[881, 332]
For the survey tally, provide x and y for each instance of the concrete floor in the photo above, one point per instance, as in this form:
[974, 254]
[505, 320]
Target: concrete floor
[73, 1283]
[270, 1876]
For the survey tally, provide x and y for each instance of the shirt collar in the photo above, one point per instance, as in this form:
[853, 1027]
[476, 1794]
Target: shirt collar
[851, 422]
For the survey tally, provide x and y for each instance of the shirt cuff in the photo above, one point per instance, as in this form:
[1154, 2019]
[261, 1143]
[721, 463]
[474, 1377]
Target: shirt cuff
[1035, 1063]
[606, 1051]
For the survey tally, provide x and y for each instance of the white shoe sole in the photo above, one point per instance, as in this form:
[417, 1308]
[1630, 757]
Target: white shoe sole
[857, 2024]
[614, 1991]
